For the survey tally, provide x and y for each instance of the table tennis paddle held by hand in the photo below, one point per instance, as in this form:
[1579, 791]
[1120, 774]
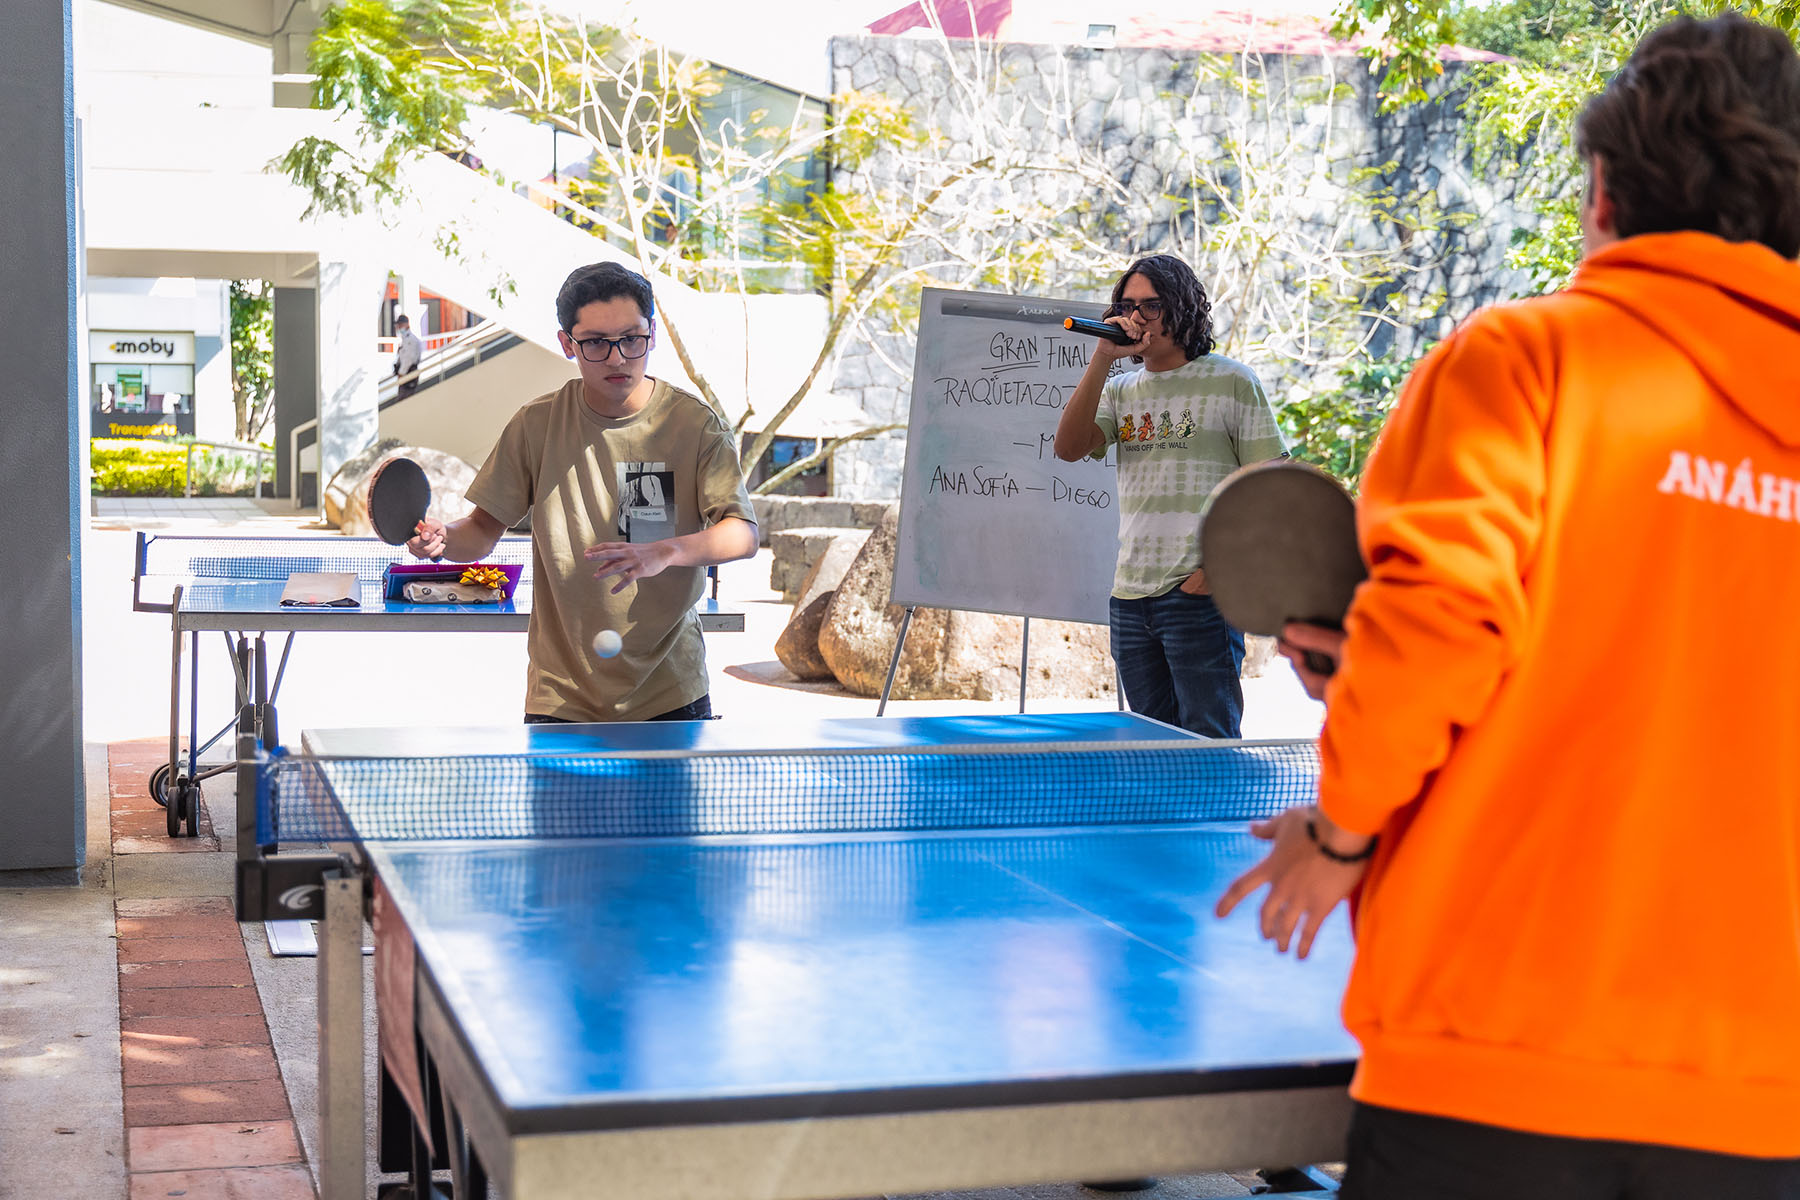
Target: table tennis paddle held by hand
[1278, 543]
[399, 494]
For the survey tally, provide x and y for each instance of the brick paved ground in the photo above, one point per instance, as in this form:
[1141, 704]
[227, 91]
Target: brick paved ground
[206, 1113]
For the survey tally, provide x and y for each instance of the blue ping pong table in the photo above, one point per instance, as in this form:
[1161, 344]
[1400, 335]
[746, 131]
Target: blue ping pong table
[233, 585]
[803, 960]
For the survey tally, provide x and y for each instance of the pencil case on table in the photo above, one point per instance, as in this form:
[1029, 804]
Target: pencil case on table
[456, 583]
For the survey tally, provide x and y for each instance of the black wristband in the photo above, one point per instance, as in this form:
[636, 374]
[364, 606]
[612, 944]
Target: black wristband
[1312, 835]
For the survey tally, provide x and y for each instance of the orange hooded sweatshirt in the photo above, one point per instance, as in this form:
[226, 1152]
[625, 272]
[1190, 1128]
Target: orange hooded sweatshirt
[1570, 702]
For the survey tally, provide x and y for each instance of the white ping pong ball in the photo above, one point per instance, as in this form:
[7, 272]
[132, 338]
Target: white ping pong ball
[608, 643]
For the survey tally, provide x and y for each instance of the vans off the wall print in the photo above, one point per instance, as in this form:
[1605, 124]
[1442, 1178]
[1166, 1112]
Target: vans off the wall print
[647, 511]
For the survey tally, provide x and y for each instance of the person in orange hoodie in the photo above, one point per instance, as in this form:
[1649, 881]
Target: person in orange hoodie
[1561, 756]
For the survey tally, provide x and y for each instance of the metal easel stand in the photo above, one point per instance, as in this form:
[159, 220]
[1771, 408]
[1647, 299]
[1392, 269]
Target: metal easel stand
[894, 662]
[1024, 657]
[900, 645]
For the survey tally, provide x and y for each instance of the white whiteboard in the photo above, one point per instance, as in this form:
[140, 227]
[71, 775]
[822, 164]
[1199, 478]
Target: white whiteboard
[990, 519]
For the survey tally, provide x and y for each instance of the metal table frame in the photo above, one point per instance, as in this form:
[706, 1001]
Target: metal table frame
[176, 786]
[1041, 1130]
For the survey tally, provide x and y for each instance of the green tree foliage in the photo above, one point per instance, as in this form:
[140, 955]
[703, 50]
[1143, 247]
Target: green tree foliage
[1406, 35]
[252, 356]
[1336, 428]
[1522, 114]
[1310, 255]
[1304, 252]
[675, 183]
[1521, 118]
[1538, 32]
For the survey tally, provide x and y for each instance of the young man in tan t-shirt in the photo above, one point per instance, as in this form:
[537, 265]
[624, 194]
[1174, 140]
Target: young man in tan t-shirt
[634, 489]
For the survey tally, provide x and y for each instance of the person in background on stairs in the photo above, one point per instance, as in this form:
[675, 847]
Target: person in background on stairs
[406, 356]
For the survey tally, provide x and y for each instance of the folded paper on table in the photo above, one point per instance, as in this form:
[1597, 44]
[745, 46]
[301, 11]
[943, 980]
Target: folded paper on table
[398, 575]
[321, 589]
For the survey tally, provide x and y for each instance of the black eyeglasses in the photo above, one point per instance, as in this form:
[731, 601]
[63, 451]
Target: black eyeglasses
[1149, 310]
[599, 349]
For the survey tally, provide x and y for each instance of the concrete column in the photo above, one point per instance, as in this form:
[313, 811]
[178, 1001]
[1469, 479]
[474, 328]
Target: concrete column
[42, 807]
[215, 407]
[350, 363]
[409, 304]
[296, 369]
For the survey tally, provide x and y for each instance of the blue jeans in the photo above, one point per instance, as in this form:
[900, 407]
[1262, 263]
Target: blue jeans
[1179, 662]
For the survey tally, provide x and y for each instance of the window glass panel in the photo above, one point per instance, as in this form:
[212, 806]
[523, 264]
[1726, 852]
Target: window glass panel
[170, 389]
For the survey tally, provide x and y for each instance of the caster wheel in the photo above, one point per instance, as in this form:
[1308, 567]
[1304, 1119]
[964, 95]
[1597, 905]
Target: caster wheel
[184, 805]
[159, 785]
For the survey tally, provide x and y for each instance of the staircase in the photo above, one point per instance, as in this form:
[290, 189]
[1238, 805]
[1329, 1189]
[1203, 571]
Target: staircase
[201, 199]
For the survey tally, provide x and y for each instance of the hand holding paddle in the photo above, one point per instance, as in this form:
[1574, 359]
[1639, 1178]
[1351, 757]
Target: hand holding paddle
[399, 494]
[1305, 645]
[1279, 548]
[432, 537]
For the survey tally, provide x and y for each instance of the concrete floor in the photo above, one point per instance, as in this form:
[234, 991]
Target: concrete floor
[61, 1115]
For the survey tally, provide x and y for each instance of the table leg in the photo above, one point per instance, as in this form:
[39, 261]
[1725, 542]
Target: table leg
[266, 733]
[190, 794]
[342, 1122]
[424, 1156]
[174, 710]
[240, 665]
[467, 1176]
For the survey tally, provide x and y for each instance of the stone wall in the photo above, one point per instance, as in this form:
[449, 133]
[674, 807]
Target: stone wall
[1139, 112]
[778, 514]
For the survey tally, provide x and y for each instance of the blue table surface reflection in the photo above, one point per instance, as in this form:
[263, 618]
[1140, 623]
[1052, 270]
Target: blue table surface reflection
[589, 973]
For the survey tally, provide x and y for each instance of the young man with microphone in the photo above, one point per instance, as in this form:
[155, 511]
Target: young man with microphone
[1184, 420]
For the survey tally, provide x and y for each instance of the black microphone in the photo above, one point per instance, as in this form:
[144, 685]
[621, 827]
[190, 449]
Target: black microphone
[1099, 329]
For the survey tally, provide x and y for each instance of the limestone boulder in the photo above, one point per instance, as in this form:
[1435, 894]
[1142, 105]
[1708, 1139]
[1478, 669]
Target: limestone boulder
[1259, 653]
[798, 645]
[354, 472]
[347, 495]
[794, 552]
[949, 654]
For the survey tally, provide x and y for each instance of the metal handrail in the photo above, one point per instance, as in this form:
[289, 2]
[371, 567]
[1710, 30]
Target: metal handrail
[294, 459]
[435, 343]
[436, 363]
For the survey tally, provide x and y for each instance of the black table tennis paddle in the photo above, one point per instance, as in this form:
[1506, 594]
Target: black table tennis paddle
[1279, 544]
[399, 494]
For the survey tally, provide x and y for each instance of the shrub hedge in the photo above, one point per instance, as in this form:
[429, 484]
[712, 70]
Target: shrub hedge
[127, 467]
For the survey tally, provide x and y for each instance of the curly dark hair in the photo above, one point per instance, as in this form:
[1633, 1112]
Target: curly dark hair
[601, 281]
[1700, 130]
[1187, 313]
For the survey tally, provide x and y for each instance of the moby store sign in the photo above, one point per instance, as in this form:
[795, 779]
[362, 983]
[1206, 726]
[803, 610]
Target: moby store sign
[142, 384]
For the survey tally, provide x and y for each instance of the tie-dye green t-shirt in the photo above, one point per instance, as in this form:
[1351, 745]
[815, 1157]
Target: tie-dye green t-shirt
[1179, 433]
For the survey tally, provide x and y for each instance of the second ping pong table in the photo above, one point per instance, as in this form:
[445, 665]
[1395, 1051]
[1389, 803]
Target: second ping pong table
[233, 585]
[829, 959]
